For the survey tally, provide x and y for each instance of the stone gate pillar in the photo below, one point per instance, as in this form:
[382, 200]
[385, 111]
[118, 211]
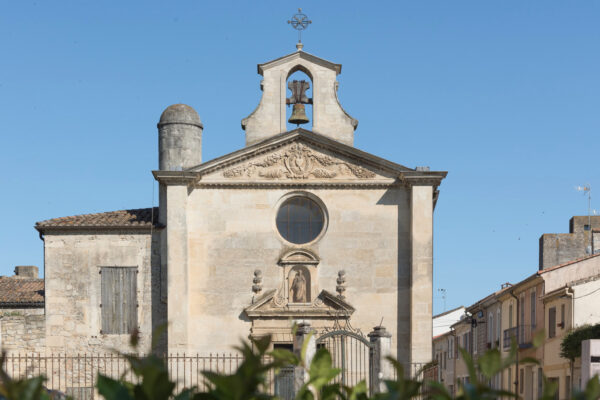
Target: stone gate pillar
[381, 368]
[303, 334]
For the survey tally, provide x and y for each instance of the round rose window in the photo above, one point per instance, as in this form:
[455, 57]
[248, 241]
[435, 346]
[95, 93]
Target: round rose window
[300, 220]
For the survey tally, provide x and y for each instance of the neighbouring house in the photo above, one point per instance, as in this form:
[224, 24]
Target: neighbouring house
[523, 308]
[571, 300]
[22, 320]
[444, 351]
[545, 305]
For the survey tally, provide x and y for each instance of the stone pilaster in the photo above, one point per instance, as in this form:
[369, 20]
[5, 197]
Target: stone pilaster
[175, 248]
[421, 272]
[304, 333]
[381, 341]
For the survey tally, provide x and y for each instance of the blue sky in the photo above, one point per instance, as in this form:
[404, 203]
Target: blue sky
[504, 95]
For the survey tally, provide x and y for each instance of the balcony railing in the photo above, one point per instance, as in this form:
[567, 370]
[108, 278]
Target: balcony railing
[522, 334]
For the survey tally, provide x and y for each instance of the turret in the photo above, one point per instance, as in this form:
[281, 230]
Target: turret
[179, 138]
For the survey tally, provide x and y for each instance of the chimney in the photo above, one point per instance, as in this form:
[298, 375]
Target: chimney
[26, 271]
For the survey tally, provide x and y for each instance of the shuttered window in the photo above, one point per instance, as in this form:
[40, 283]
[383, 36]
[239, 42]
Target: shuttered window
[552, 322]
[119, 299]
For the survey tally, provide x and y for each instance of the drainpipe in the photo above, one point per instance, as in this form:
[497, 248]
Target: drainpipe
[570, 293]
[453, 360]
[517, 362]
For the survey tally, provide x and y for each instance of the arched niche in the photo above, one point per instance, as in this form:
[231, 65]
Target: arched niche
[300, 73]
[299, 284]
[304, 263]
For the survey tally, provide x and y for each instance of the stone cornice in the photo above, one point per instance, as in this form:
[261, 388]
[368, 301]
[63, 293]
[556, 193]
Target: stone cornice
[302, 184]
[299, 55]
[176, 177]
[422, 178]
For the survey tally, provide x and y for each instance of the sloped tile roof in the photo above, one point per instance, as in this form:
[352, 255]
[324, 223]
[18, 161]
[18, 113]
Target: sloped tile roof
[18, 292]
[137, 218]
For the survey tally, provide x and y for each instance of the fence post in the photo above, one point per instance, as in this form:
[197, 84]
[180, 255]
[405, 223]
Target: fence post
[303, 333]
[381, 369]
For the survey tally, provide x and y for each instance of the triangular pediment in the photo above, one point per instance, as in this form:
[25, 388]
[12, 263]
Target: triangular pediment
[298, 156]
[325, 305]
[299, 55]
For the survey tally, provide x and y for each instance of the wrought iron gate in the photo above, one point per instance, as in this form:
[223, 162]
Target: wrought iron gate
[352, 353]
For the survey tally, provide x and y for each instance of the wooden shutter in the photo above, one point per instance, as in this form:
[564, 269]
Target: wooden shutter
[119, 300]
[552, 322]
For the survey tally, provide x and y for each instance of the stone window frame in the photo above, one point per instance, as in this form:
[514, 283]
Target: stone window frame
[310, 196]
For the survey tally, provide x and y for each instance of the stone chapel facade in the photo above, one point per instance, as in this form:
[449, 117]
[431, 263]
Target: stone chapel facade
[299, 225]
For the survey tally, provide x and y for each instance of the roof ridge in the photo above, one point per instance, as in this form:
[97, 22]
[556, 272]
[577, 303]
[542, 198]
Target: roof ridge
[127, 218]
[543, 271]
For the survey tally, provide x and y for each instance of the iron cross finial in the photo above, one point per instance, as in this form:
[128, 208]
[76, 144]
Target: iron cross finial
[300, 22]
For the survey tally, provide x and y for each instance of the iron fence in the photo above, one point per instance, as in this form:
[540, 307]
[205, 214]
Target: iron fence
[76, 375]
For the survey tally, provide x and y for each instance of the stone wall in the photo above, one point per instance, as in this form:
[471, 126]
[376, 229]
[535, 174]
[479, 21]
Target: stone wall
[232, 232]
[73, 288]
[559, 248]
[22, 331]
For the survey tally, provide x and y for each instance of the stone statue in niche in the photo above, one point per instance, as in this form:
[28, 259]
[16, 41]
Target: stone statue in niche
[299, 286]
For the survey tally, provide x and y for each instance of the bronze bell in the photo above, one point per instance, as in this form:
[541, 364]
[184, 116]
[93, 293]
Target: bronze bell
[298, 115]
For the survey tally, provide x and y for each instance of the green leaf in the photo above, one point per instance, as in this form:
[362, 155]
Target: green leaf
[539, 338]
[112, 389]
[285, 356]
[468, 360]
[490, 363]
[321, 369]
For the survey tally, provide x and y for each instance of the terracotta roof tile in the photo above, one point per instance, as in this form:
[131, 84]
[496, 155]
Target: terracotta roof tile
[15, 292]
[137, 218]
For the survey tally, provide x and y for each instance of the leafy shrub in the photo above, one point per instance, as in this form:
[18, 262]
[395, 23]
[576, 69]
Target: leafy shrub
[570, 347]
[249, 381]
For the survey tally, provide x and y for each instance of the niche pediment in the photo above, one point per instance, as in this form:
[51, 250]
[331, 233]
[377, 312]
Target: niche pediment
[299, 257]
[325, 305]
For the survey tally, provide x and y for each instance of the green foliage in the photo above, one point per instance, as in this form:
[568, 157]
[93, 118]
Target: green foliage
[22, 389]
[570, 347]
[249, 381]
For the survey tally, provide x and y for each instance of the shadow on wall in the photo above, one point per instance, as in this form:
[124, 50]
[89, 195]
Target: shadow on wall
[400, 198]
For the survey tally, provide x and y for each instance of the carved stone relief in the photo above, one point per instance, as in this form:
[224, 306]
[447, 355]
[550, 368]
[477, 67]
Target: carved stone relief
[298, 161]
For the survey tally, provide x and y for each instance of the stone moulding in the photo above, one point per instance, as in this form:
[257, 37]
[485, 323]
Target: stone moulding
[299, 184]
[301, 257]
[325, 306]
[298, 161]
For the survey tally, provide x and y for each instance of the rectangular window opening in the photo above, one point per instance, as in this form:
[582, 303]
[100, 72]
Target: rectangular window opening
[119, 299]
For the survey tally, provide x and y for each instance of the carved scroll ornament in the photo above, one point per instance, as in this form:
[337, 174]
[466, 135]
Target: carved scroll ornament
[298, 162]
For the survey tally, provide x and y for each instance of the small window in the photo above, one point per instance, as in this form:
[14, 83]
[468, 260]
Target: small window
[498, 327]
[562, 316]
[533, 317]
[119, 299]
[490, 329]
[552, 322]
[300, 220]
